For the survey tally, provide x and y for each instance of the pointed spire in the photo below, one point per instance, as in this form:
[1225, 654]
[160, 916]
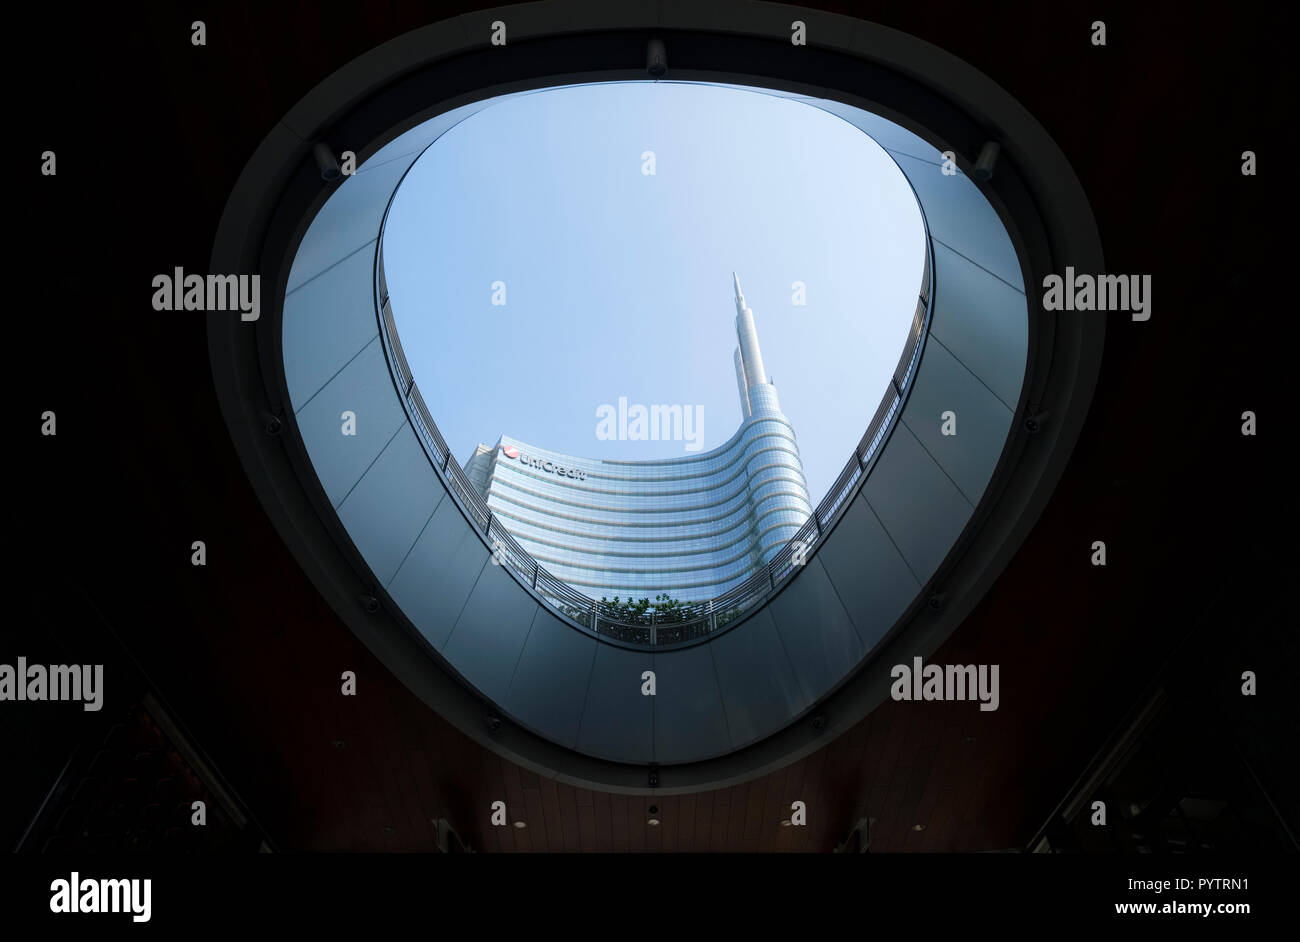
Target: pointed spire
[747, 338]
[742, 385]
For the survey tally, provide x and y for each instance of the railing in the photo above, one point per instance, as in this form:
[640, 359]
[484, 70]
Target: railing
[689, 622]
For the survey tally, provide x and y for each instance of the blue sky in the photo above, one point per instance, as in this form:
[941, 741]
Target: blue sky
[618, 283]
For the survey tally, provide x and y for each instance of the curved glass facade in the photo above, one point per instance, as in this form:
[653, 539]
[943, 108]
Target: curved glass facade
[692, 527]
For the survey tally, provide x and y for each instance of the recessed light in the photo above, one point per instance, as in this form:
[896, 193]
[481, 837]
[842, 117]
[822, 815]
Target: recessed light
[653, 822]
[521, 824]
[786, 823]
[918, 827]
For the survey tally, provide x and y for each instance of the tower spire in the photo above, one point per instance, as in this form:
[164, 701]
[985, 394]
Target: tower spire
[747, 339]
[742, 387]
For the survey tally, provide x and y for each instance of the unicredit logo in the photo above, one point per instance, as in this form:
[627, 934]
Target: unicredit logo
[543, 464]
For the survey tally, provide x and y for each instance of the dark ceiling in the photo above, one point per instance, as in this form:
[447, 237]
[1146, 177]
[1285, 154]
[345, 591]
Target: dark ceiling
[150, 134]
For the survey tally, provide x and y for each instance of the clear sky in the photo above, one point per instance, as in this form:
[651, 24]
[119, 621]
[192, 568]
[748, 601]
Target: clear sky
[618, 283]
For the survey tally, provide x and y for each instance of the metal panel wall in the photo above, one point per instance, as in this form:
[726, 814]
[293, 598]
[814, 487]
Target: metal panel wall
[816, 631]
[747, 683]
[869, 573]
[384, 529]
[977, 418]
[549, 689]
[435, 580]
[489, 636]
[617, 721]
[921, 509]
[363, 388]
[690, 720]
[962, 219]
[759, 689]
[983, 322]
[327, 322]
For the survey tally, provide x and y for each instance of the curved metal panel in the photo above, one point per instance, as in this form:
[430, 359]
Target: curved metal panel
[759, 689]
[489, 636]
[363, 388]
[485, 640]
[983, 321]
[549, 687]
[348, 220]
[384, 529]
[690, 722]
[327, 322]
[868, 572]
[817, 633]
[435, 580]
[920, 507]
[618, 721]
[961, 218]
[978, 418]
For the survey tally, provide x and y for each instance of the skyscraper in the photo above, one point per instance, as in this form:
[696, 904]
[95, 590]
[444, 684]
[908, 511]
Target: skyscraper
[692, 527]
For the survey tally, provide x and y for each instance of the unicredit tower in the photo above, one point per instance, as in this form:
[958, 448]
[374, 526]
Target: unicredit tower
[691, 527]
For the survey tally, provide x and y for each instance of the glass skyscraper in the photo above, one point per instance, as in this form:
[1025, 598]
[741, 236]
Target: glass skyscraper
[692, 527]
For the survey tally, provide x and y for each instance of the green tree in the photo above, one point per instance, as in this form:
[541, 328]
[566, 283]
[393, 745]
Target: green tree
[664, 610]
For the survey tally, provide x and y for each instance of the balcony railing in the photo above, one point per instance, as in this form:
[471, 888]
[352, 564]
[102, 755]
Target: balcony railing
[695, 620]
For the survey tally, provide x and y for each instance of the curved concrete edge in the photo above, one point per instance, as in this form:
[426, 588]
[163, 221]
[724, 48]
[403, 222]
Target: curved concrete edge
[1076, 356]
